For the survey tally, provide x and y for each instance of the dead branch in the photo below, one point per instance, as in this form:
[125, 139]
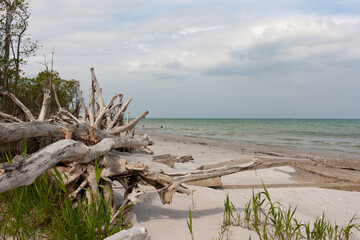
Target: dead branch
[129, 126]
[20, 104]
[9, 117]
[82, 103]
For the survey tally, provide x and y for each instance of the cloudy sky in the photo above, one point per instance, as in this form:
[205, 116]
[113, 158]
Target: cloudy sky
[209, 58]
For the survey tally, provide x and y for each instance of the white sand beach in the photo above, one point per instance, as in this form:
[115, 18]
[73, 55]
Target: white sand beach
[288, 185]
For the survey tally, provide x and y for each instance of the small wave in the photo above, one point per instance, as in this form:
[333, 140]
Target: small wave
[230, 133]
[290, 139]
[323, 142]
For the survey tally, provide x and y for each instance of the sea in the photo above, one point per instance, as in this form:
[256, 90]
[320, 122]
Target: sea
[331, 136]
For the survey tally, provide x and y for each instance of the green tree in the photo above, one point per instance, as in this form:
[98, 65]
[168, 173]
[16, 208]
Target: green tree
[31, 93]
[15, 44]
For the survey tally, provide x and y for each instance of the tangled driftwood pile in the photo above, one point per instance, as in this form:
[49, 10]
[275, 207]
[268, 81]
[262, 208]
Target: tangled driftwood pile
[71, 144]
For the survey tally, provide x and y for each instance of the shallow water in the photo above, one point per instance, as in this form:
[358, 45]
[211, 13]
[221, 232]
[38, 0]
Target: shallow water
[334, 136]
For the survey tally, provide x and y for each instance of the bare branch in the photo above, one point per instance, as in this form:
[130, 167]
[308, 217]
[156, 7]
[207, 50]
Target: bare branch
[10, 117]
[82, 103]
[127, 127]
[20, 104]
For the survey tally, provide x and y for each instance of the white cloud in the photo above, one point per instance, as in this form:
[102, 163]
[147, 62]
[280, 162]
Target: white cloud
[195, 48]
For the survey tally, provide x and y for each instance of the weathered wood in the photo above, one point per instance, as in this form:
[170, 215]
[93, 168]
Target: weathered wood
[105, 112]
[25, 171]
[45, 105]
[166, 159]
[82, 103]
[56, 97]
[14, 132]
[119, 114]
[9, 117]
[134, 233]
[129, 126]
[184, 159]
[97, 88]
[217, 172]
[27, 112]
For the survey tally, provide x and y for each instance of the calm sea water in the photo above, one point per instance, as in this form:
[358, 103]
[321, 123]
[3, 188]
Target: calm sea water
[335, 136]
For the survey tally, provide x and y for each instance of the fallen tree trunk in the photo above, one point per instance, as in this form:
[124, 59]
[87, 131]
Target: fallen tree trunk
[25, 171]
[14, 132]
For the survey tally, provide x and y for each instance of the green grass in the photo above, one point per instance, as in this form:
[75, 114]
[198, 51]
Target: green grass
[190, 225]
[270, 220]
[44, 210]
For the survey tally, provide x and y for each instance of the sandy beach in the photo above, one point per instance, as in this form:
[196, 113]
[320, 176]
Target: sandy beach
[314, 189]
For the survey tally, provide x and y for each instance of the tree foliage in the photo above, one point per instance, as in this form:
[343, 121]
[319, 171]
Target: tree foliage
[15, 47]
[31, 92]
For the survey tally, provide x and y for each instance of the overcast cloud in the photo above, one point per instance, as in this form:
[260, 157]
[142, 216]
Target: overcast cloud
[207, 58]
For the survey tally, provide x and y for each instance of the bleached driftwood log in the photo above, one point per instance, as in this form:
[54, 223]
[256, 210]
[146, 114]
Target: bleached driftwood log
[13, 132]
[25, 171]
[135, 233]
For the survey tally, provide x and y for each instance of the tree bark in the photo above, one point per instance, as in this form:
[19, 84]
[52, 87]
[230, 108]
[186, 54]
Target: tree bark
[14, 132]
[6, 48]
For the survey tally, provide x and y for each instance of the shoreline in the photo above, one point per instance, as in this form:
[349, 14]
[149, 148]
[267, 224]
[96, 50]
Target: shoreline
[290, 185]
[249, 148]
[337, 137]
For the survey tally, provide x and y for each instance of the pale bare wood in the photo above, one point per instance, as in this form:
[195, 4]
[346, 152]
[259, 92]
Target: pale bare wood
[56, 97]
[82, 103]
[13, 132]
[119, 114]
[16, 132]
[61, 110]
[97, 88]
[27, 112]
[93, 184]
[217, 172]
[127, 127]
[45, 105]
[70, 173]
[25, 171]
[105, 112]
[76, 120]
[78, 190]
[101, 104]
[108, 196]
[9, 117]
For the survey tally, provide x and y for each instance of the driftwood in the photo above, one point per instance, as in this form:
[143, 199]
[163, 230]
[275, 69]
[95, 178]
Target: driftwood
[170, 160]
[135, 233]
[77, 164]
[69, 143]
[98, 116]
[76, 147]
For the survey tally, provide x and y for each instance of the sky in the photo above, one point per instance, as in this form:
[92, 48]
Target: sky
[208, 58]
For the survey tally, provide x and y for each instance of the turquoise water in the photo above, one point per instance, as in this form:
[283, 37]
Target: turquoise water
[335, 136]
